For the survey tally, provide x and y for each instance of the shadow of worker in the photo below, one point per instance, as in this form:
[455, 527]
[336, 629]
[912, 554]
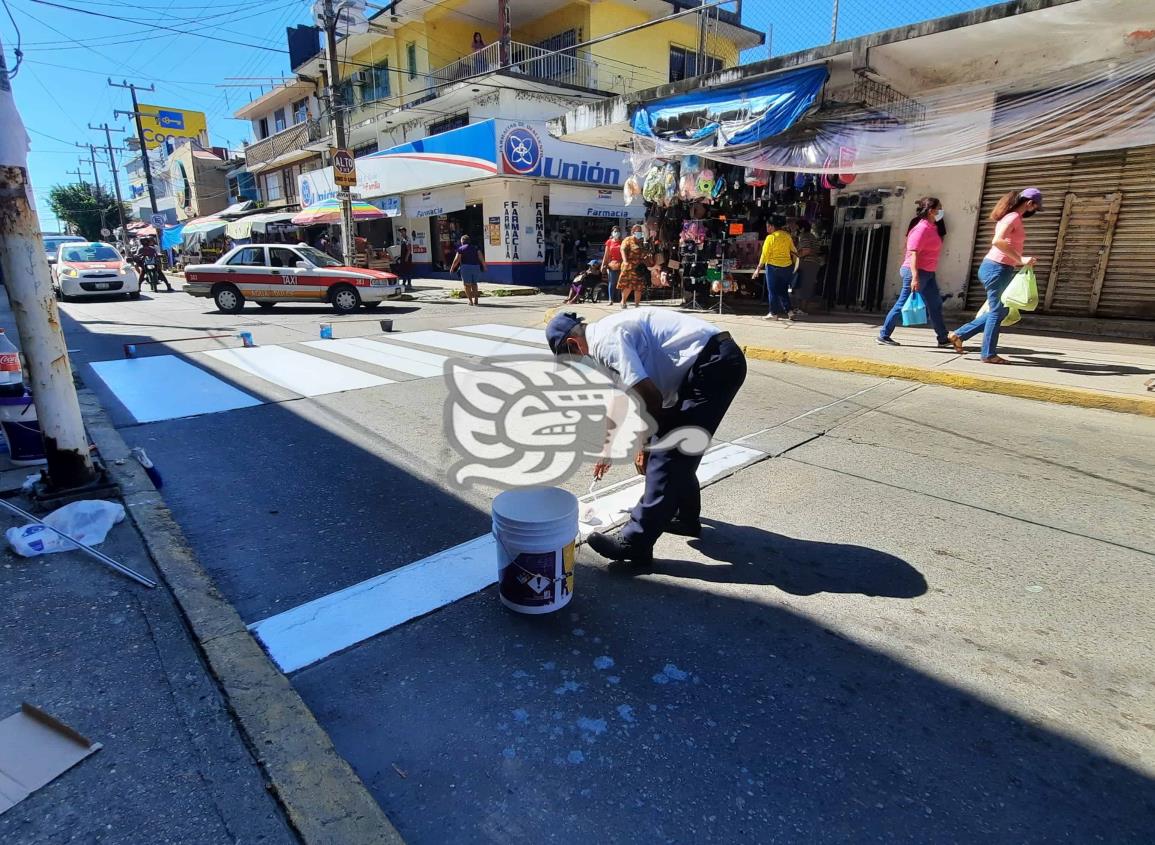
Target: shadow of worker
[799, 567]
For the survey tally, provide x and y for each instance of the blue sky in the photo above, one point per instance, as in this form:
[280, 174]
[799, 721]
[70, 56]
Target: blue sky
[62, 87]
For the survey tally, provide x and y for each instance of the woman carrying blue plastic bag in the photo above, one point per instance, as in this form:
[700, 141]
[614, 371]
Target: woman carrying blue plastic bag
[923, 247]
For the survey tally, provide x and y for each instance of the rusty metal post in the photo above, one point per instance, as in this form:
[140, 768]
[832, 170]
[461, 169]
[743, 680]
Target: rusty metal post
[26, 276]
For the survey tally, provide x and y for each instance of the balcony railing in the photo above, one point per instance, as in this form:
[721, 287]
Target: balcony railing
[525, 60]
[286, 141]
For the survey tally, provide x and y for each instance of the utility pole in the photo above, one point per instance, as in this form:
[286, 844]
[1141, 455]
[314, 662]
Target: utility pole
[92, 159]
[115, 176]
[79, 174]
[506, 33]
[834, 23]
[340, 140]
[703, 23]
[29, 285]
[135, 113]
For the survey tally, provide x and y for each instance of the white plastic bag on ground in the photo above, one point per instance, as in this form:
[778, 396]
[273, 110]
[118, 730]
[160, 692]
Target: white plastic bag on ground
[88, 521]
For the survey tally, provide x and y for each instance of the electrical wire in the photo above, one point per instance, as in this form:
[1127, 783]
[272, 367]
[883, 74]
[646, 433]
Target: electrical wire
[18, 51]
[215, 38]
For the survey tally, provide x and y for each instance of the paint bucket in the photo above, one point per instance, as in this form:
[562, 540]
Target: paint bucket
[326, 331]
[536, 529]
[246, 340]
[386, 325]
[21, 431]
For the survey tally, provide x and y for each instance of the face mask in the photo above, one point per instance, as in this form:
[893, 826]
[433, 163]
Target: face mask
[1031, 213]
[616, 235]
[641, 236]
[939, 215]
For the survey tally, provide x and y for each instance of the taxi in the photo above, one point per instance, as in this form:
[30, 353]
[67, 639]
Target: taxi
[271, 273]
[92, 269]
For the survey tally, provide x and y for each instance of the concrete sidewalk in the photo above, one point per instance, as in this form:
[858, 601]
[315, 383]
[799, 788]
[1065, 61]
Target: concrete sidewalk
[1070, 369]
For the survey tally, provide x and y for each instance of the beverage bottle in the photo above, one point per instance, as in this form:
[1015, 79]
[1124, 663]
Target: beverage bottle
[11, 376]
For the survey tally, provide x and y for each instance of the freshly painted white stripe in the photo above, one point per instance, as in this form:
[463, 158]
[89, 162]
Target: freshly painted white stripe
[166, 387]
[389, 355]
[296, 371]
[518, 333]
[300, 637]
[602, 511]
[477, 346]
[313, 631]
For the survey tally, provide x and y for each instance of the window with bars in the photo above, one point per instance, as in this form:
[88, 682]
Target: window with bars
[345, 94]
[365, 149]
[453, 122]
[411, 58]
[378, 88]
[301, 111]
[271, 186]
[684, 64]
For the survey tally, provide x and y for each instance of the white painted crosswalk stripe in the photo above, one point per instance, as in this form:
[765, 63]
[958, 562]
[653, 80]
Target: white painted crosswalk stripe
[392, 356]
[518, 333]
[310, 632]
[166, 387]
[299, 372]
[465, 345]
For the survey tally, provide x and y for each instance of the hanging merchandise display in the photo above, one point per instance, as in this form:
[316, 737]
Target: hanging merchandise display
[792, 121]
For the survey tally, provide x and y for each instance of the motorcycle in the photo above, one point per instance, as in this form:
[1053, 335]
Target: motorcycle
[151, 275]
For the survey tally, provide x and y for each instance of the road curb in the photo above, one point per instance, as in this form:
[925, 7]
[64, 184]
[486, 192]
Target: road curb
[325, 801]
[960, 381]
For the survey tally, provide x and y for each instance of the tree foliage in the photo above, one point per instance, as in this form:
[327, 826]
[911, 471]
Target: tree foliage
[89, 210]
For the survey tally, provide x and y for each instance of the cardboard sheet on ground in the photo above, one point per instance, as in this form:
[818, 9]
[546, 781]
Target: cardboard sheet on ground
[35, 749]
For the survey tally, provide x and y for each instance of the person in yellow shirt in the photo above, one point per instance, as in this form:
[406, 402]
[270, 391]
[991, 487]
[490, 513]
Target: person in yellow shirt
[778, 254]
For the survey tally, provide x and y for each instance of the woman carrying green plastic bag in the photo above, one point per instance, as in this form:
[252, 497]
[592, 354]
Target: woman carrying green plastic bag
[1022, 294]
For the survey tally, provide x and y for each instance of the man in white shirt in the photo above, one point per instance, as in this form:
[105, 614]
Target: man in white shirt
[687, 373]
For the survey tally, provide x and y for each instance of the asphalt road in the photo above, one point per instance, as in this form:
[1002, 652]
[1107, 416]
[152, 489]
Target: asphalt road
[923, 615]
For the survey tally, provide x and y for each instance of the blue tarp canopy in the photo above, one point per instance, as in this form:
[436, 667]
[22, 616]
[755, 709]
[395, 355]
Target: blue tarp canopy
[722, 118]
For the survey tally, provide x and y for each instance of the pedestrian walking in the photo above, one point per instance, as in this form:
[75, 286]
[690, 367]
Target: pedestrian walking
[405, 259]
[923, 246]
[778, 254]
[809, 264]
[636, 256]
[687, 374]
[999, 267]
[469, 260]
[612, 260]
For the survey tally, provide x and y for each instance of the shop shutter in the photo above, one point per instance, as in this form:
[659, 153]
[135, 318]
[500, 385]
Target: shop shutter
[1129, 284]
[1052, 176]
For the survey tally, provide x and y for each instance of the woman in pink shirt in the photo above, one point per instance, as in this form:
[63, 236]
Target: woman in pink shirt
[923, 245]
[999, 267]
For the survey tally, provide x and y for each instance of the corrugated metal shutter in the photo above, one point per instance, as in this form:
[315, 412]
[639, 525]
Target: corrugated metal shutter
[1129, 286]
[1049, 175]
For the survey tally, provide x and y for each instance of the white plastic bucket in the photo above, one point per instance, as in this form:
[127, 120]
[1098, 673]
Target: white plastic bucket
[536, 529]
[22, 431]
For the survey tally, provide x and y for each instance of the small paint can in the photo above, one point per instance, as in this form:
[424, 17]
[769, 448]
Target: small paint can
[129, 350]
[326, 331]
[386, 325]
[246, 339]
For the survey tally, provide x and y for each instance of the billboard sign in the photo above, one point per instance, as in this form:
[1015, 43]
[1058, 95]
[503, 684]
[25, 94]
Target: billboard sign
[162, 124]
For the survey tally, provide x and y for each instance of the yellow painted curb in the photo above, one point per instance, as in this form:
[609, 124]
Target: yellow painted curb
[960, 381]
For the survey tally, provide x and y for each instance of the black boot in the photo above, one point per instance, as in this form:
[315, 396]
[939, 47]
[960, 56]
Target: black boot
[616, 548]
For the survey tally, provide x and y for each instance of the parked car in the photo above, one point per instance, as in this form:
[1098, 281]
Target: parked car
[271, 273]
[52, 244]
[93, 269]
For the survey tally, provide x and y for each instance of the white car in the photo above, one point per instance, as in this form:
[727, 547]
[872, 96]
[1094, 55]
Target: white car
[93, 269]
[271, 273]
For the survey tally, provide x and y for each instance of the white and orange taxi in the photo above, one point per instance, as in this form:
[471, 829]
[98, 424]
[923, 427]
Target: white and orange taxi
[271, 273]
[93, 269]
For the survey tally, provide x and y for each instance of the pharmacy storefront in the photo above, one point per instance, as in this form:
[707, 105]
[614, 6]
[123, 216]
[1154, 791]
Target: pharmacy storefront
[508, 185]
